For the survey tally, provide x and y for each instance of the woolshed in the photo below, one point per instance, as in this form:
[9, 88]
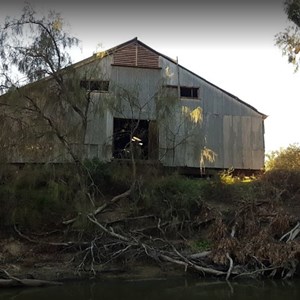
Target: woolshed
[132, 102]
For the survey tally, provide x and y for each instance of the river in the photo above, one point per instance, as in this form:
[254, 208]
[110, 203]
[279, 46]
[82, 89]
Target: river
[160, 289]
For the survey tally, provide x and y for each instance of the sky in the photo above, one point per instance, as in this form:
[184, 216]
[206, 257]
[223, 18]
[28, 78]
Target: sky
[229, 43]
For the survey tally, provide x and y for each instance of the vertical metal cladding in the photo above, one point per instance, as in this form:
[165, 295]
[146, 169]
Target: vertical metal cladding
[229, 127]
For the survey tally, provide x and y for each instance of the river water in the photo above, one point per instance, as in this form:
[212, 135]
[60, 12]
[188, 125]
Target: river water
[160, 289]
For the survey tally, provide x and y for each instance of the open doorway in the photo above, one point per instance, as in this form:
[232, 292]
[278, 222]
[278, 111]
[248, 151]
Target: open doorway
[139, 133]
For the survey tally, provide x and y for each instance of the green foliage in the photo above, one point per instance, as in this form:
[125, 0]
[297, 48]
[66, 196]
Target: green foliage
[35, 45]
[200, 245]
[292, 9]
[42, 119]
[284, 159]
[37, 196]
[281, 180]
[280, 184]
[289, 40]
[172, 196]
[112, 178]
[179, 197]
[99, 172]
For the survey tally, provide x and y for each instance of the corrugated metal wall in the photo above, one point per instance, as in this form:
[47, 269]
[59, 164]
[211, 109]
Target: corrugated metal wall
[137, 89]
[230, 128]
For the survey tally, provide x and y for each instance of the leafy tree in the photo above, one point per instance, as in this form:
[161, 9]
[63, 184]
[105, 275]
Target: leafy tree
[289, 40]
[43, 110]
[284, 159]
[34, 45]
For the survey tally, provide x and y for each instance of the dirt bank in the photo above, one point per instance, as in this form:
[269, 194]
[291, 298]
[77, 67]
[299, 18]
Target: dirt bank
[228, 240]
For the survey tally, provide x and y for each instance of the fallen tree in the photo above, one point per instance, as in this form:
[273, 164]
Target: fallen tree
[13, 281]
[260, 240]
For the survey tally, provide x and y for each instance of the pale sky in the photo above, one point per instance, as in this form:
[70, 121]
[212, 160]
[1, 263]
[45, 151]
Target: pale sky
[230, 43]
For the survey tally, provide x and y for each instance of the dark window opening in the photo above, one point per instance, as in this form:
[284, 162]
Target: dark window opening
[189, 92]
[185, 92]
[95, 85]
[132, 137]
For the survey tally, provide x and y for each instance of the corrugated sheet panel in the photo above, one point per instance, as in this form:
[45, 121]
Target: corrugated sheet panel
[246, 142]
[227, 141]
[141, 86]
[258, 143]
[213, 128]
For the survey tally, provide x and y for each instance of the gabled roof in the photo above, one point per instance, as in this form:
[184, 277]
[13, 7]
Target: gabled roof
[102, 54]
[135, 40]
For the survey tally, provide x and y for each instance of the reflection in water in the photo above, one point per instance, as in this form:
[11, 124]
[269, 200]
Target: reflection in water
[170, 289]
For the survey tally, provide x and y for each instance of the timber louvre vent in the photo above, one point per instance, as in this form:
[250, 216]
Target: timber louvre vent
[135, 55]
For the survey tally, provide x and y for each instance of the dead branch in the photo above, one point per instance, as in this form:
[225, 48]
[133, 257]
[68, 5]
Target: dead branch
[26, 283]
[230, 266]
[232, 234]
[249, 274]
[183, 261]
[186, 262]
[71, 221]
[119, 253]
[131, 219]
[199, 255]
[63, 244]
[102, 207]
[206, 270]
[194, 266]
[89, 252]
[110, 232]
[292, 233]
[291, 270]
[14, 281]
[112, 201]
[174, 261]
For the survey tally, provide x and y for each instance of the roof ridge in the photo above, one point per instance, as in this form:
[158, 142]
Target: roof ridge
[104, 53]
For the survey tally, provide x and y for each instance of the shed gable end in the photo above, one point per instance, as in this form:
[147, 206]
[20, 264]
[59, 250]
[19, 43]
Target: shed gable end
[136, 55]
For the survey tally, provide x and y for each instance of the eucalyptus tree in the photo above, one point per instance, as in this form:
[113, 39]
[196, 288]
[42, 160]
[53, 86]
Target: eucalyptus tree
[289, 40]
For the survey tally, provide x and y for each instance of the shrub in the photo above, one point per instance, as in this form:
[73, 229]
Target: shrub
[172, 196]
[112, 177]
[36, 196]
[284, 159]
[281, 180]
[279, 184]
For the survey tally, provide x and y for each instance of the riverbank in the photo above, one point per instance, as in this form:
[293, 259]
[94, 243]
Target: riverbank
[222, 227]
[60, 267]
[38, 256]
